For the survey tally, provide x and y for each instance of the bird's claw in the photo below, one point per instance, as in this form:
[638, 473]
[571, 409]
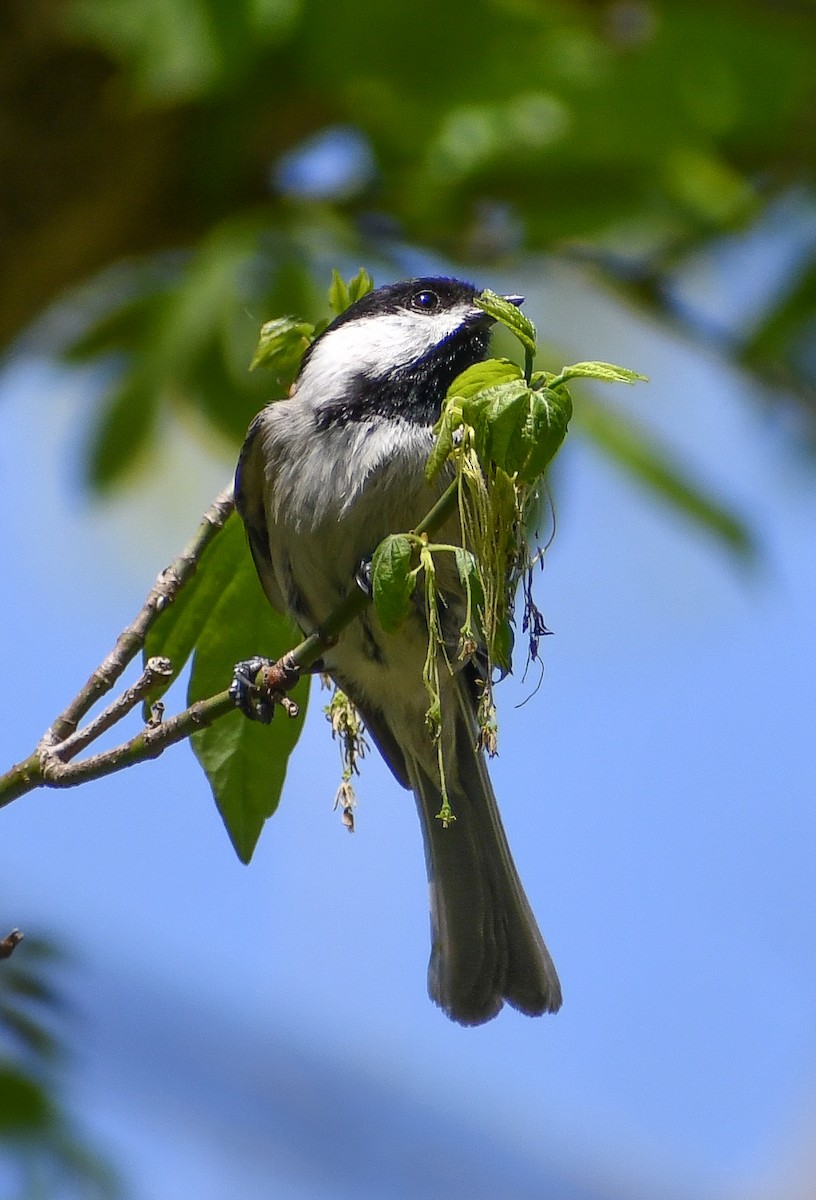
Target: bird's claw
[363, 577]
[259, 685]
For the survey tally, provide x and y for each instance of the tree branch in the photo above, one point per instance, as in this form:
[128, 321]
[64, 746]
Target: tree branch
[155, 669]
[150, 743]
[48, 766]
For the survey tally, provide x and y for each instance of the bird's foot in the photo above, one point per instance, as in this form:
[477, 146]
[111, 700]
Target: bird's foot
[363, 577]
[259, 685]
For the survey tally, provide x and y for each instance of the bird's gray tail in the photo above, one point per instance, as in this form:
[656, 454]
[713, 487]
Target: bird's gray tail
[487, 947]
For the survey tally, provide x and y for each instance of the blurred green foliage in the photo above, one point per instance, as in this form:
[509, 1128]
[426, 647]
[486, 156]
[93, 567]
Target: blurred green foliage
[42, 1153]
[198, 165]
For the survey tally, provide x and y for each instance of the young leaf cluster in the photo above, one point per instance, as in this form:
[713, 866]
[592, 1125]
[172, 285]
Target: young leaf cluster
[500, 428]
[284, 340]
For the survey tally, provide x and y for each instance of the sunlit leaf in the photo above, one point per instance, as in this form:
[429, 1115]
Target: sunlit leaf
[339, 299]
[510, 315]
[393, 581]
[603, 371]
[359, 286]
[545, 427]
[482, 375]
[281, 344]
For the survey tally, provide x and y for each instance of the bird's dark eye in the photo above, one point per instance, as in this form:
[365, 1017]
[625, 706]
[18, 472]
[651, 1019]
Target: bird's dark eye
[425, 301]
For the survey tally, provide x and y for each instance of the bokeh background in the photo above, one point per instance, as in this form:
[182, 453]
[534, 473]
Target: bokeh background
[174, 172]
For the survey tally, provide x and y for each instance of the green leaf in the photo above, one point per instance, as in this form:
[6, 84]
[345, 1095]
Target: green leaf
[501, 652]
[471, 580]
[245, 762]
[637, 452]
[606, 372]
[493, 414]
[360, 285]
[342, 295]
[510, 315]
[505, 418]
[483, 375]
[338, 293]
[518, 428]
[178, 627]
[282, 344]
[393, 580]
[443, 444]
[467, 568]
[545, 427]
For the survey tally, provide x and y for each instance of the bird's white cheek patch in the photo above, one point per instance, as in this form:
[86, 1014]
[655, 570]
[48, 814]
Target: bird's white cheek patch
[376, 345]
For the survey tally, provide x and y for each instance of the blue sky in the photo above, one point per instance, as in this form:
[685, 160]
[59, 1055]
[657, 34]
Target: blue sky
[658, 793]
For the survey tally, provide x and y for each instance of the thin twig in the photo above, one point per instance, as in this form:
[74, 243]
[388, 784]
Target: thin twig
[150, 743]
[132, 639]
[155, 669]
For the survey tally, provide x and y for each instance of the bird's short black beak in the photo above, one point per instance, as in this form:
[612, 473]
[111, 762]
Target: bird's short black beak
[517, 300]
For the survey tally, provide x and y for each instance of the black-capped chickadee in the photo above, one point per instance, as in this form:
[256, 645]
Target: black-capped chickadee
[323, 477]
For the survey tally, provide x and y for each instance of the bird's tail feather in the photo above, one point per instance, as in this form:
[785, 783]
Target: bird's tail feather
[487, 947]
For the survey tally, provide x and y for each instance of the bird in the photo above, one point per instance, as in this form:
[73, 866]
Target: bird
[324, 475]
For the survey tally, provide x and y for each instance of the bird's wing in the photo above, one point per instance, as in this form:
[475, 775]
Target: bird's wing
[250, 490]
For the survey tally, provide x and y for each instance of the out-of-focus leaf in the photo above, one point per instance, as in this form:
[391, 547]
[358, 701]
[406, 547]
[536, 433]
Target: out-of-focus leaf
[210, 388]
[42, 950]
[713, 191]
[187, 49]
[125, 430]
[245, 762]
[41, 1147]
[123, 327]
[24, 1105]
[29, 1031]
[784, 340]
[644, 459]
[208, 288]
[30, 986]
